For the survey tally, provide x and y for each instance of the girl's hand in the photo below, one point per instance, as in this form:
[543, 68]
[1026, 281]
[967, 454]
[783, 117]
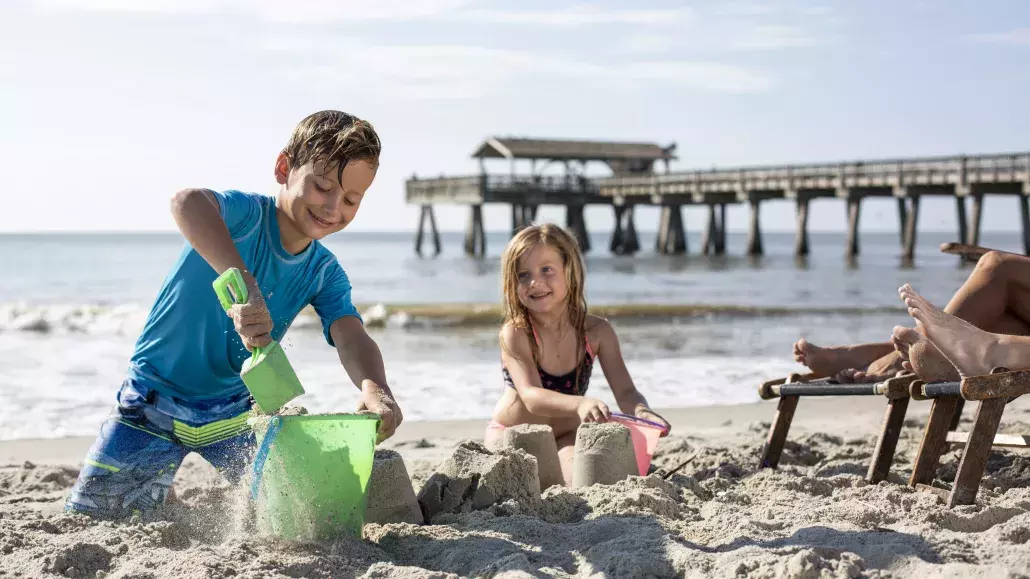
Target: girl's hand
[593, 410]
[648, 414]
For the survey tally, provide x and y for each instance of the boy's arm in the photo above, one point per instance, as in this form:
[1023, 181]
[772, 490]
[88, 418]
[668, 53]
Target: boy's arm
[517, 357]
[630, 400]
[197, 215]
[363, 362]
[201, 222]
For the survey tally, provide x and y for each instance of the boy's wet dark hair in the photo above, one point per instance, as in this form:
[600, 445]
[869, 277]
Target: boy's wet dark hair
[334, 138]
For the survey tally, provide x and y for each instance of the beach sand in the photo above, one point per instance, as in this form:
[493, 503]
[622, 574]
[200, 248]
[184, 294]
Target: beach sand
[815, 517]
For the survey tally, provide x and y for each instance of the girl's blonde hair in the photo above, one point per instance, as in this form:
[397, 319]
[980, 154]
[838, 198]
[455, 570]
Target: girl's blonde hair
[568, 248]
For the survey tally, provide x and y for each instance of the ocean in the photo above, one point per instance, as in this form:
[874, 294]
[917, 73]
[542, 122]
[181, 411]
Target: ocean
[71, 306]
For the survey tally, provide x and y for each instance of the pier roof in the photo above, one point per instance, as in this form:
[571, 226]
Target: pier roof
[580, 150]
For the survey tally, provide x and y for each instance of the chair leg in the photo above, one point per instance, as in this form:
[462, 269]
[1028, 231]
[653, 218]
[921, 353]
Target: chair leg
[887, 444]
[958, 414]
[778, 432]
[935, 440]
[978, 448]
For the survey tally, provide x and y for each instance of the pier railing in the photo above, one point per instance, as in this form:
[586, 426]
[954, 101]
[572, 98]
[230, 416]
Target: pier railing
[472, 189]
[959, 172]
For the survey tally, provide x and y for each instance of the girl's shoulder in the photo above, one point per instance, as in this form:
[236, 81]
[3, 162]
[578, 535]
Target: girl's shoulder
[510, 333]
[594, 324]
[598, 331]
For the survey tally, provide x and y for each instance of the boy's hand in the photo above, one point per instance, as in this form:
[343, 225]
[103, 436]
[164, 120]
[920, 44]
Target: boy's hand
[375, 398]
[648, 414]
[252, 321]
[593, 410]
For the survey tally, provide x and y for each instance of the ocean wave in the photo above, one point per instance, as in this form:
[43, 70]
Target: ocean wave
[130, 318]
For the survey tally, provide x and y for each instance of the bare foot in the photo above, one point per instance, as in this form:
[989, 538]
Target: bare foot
[826, 361]
[921, 357]
[964, 345]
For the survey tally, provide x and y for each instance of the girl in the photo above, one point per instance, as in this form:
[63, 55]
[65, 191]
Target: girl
[549, 342]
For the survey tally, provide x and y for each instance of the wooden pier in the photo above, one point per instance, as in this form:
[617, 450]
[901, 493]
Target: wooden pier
[635, 182]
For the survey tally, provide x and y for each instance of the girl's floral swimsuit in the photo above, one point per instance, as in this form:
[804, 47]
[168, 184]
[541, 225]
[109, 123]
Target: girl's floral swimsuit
[566, 383]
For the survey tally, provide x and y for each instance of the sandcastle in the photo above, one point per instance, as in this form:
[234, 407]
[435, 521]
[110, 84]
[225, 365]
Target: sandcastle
[604, 454]
[475, 478]
[391, 499]
[537, 440]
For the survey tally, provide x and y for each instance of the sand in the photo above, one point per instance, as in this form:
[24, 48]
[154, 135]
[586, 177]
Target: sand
[815, 517]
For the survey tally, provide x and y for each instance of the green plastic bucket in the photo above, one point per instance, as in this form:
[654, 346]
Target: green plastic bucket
[310, 474]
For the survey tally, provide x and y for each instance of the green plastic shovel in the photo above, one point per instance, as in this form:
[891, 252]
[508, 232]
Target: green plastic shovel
[267, 373]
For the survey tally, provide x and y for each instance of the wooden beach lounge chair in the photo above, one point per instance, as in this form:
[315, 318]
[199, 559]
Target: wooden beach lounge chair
[790, 390]
[992, 392]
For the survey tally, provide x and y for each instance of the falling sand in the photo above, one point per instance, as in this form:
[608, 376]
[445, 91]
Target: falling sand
[814, 517]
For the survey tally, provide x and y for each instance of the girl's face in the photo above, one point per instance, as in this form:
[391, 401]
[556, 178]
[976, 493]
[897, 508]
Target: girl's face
[541, 280]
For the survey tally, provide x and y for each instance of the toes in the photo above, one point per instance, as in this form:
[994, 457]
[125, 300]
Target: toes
[800, 347]
[906, 335]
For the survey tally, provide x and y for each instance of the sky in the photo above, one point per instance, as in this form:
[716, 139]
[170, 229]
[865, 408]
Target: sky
[111, 106]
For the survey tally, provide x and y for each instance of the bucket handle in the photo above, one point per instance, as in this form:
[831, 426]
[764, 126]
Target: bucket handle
[275, 425]
[644, 420]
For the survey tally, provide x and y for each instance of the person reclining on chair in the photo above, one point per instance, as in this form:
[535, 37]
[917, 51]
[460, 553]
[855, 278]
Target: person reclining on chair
[970, 351]
[995, 299]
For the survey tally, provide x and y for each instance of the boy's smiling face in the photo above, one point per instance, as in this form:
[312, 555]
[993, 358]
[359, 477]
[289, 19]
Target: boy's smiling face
[316, 203]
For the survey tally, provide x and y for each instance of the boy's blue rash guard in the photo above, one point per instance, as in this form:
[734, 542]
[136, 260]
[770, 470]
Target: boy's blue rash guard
[189, 348]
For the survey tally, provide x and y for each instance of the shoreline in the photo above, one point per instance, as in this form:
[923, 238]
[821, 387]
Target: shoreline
[45, 318]
[713, 422]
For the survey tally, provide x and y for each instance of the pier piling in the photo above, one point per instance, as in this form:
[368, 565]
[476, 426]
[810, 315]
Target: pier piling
[576, 222]
[974, 221]
[854, 209]
[754, 235]
[911, 227]
[1024, 209]
[427, 216]
[672, 237]
[624, 238]
[963, 223]
[902, 220]
[475, 236]
[801, 233]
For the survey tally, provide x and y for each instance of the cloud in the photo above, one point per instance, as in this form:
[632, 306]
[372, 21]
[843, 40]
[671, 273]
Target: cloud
[637, 44]
[769, 37]
[471, 72]
[384, 10]
[1017, 37]
[706, 75]
[736, 27]
[582, 15]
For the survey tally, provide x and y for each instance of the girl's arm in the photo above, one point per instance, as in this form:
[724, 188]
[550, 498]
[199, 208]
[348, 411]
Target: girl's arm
[517, 357]
[630, 400]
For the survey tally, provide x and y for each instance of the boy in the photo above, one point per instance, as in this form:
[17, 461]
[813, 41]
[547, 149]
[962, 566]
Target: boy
[183, 391]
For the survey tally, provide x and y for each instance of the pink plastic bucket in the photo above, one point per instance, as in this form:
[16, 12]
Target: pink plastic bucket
[645, 435]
